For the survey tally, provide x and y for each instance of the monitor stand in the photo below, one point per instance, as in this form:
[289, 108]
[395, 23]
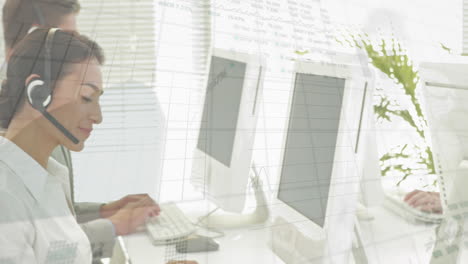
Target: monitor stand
[225, 220]
[289, 243]
[360, 255]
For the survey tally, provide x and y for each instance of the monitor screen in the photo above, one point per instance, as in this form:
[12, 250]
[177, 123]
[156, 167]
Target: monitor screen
[221, 109]
[310, 144]
[447, 113]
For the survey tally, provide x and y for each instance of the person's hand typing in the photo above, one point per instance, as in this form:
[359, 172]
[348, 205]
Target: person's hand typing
[425, 201]
[133, 214]
[182, 262]
[111, 208]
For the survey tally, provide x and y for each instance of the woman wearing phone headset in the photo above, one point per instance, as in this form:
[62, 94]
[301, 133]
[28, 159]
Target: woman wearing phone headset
[50, 97]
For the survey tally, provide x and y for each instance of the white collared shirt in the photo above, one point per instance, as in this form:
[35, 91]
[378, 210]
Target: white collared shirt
[36, 224]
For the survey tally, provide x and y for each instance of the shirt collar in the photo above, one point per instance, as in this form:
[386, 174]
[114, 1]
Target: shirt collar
[58, 170]
[33, 175]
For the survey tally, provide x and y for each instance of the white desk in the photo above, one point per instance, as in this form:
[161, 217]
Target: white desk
[388, 239]
[237, 246]
[247, 246]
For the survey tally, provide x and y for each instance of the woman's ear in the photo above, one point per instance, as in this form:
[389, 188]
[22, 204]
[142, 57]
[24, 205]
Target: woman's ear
[30, 78]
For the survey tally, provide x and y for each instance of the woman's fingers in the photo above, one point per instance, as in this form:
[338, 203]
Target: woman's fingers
[425, 201]
[411, 194]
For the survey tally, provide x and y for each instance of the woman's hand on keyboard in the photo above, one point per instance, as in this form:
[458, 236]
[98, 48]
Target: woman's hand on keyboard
[425, 201]
[182, 262]
[133, 215]
[109, 209]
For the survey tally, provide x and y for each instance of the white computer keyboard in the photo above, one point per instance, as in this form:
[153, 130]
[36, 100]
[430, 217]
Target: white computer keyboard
[170, 226]
[394, 202]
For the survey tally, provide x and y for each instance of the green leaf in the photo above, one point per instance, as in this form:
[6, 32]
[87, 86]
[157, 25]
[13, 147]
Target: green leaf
[391, 59]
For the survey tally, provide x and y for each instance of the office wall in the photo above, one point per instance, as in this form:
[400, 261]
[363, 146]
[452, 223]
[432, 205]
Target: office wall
[421, 25]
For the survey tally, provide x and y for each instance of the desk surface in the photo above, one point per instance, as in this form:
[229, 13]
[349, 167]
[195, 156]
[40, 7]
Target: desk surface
[387, 239]
[391, 239]
[247, 245]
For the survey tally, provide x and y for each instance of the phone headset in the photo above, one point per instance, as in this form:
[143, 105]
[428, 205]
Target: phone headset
[39, 90]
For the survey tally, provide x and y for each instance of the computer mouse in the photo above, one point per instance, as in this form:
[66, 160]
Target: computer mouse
[197, 244]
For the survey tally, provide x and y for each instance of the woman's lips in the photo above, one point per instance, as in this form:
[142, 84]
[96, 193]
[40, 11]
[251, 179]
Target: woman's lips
[86, 131]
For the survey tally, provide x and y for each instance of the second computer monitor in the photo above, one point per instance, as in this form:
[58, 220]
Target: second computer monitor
[310, 144]
[320, 174]
[222, 157]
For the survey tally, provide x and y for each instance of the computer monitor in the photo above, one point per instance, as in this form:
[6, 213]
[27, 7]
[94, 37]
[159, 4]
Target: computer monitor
[222, 157]
[320, 175]
[445, 90]
[445, 97]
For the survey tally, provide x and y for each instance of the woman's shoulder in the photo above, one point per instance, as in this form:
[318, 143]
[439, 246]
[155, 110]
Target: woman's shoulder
[7, 175]
[13, 192]
[12, 195]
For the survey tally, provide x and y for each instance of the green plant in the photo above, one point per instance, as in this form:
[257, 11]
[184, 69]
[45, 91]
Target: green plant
[390, 59]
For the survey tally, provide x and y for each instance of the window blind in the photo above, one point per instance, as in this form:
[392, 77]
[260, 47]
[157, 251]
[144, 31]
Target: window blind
[465, 28]
[125, 153]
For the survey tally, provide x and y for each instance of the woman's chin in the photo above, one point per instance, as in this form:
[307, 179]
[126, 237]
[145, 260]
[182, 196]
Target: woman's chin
[75, 147]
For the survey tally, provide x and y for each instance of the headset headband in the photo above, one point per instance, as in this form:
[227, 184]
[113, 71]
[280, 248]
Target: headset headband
[48, 58]
[47, 67]
[38, 12]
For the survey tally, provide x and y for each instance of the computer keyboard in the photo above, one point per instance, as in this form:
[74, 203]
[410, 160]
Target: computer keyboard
[395, 203]
[170, 226]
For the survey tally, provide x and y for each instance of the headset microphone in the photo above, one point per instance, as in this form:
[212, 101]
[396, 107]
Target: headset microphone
[60, 127]
[39, 92]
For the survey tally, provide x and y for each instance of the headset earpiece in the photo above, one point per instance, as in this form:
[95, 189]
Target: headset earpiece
[38, 94]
